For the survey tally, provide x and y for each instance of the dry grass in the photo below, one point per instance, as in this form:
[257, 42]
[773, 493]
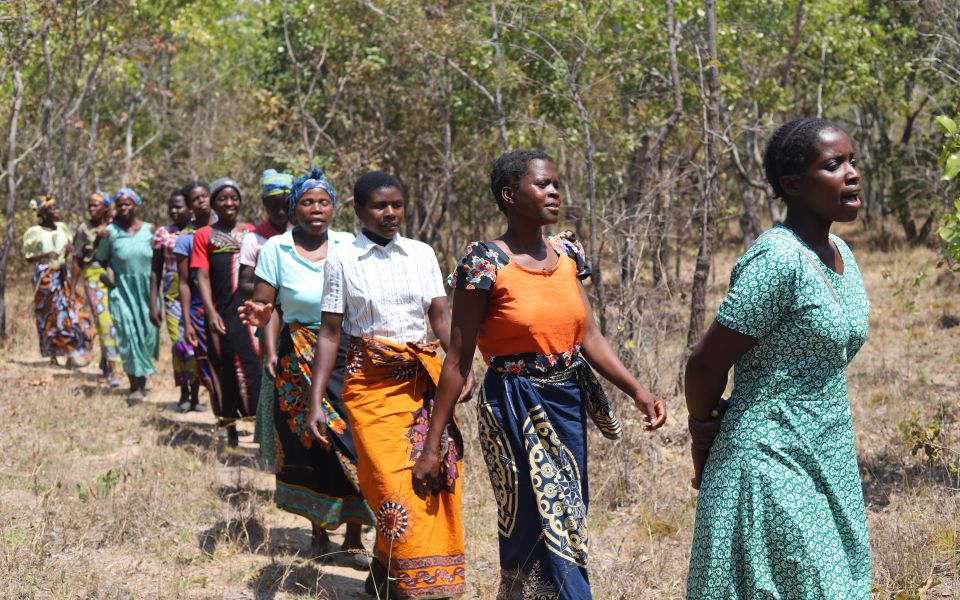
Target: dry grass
[101, 501]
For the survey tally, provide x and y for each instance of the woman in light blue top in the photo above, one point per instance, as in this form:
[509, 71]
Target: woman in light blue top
[314, 480]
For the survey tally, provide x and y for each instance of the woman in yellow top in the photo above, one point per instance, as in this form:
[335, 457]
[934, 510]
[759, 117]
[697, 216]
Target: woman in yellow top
[519, 298]
[63, 328]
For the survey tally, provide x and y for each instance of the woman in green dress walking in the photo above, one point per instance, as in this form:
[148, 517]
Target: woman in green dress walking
[128, 251]
[780, 512]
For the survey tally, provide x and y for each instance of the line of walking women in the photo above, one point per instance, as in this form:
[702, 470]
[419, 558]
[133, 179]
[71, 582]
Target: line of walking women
[359, 420]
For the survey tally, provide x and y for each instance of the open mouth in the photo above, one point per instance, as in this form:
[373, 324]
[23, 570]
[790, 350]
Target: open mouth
[851, 199]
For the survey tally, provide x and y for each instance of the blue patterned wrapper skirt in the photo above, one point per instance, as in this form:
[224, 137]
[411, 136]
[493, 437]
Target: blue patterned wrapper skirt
[532, 431]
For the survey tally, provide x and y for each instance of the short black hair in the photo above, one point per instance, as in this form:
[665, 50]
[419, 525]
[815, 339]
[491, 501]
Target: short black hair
[371, 182]
[177, 194]
[791, 148]
[509, 169]
[190, 185]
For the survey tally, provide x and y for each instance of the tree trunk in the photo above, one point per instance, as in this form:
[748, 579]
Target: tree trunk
[708, 204]
[11, 172]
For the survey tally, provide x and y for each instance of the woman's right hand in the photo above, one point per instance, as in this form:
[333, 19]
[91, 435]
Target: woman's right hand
[190, 334]
[317, 424]
[255, 314]
[270, 363]
[216, 322]
[702, 435]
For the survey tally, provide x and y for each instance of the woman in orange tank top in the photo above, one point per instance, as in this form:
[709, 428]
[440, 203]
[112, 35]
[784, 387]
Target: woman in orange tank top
[519, 299]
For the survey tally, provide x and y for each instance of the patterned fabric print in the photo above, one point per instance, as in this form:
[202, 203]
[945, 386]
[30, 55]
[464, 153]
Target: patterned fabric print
[313, 480]
[406, 367]
[567, 243]
[478, 269]
[184, 362]
[781, 512]
[501, 466]
[392, 520]
[534, 441]
[556, 483]
[164, 240]
[63, 327]
[443, 574]
[419, 541]
[98, 299]
[534, 363]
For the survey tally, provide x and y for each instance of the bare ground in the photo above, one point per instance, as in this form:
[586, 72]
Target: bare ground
[98, 500]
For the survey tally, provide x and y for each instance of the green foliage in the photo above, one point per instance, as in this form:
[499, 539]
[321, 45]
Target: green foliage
[950, 162]
[104, 484]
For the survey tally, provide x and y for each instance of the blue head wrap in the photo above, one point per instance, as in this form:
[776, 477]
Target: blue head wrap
[102, 197]
[128, 193]
[275, 184]
[308, 182]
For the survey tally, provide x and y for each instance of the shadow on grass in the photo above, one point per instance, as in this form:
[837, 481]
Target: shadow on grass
[246, 534]
[886, 474]
[181, 434]
[303, 577]
[241, 496]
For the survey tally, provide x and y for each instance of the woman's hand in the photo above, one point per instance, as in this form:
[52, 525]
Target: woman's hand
[190, 333]
[652, 407]
[469, 388]
[426, 474]
[216, 322]
[317, 424]
[255, 314]
[155, 316]
[702, 435]
[270, 362]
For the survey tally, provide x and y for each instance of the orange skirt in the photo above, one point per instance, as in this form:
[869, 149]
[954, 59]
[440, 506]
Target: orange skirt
[388, 392]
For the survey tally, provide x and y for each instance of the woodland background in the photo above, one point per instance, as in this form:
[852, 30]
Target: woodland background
[656, 112]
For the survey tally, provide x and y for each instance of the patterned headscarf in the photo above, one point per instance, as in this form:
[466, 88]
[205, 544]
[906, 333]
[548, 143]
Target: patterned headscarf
[308, 182]
[275, 184]
[102, 197]
[128, 193]
[219, 185]
[42, 203]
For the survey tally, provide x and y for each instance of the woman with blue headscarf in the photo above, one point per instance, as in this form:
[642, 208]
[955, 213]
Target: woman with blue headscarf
[128, 251]
[314, 480]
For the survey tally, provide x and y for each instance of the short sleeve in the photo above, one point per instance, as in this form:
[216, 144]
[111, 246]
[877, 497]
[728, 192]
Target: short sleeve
[477, 270]
[199, 256]
[762, 289]
[250, 249]
[184, 244]
[568, 244]
[268, 263]
[103, 247]
[433, 282]
[159, 240]
[333, 285]
[32, 242]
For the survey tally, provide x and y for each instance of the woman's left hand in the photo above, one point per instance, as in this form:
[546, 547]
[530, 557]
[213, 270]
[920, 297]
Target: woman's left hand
[469, 388]
[426, 474]
[653, 408]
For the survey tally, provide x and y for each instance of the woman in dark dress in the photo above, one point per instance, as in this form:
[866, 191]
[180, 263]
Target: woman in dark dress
[233, 348]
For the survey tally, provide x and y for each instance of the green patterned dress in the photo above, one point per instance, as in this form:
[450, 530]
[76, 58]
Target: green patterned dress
[780, 513]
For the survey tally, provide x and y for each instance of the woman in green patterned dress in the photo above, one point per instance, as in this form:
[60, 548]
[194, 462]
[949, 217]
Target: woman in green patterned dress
[780, 512]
